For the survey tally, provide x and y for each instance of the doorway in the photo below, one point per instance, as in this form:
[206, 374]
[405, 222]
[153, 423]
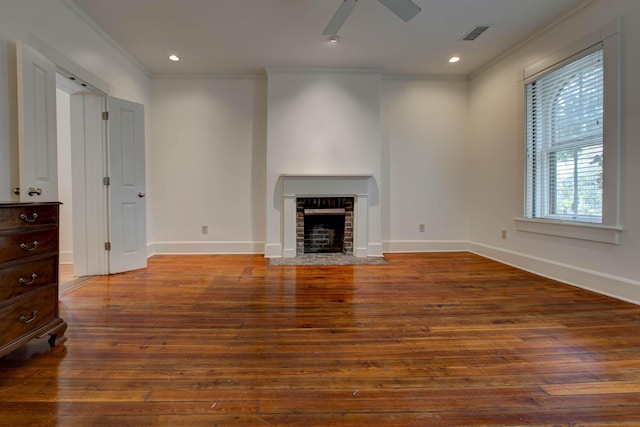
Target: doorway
[73, 134]
[104, 230]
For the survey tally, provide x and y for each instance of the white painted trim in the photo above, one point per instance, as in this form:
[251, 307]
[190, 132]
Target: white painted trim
[289, 239]
[518, 46]
[295, 185]
[401, 246]
[576, 48]
[427, 77]
[83, 15]
[65, 257]
[276, 70]
[210, 247]
[273, 250]
[374, 250]
[581, 231]
[88, 162]
[69, 67]
[609, 36]
[306, 176]
[605, 284]
[198, 76]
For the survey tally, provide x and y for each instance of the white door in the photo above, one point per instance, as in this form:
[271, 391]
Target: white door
[88, 168]
[37, 133]
[127, 207]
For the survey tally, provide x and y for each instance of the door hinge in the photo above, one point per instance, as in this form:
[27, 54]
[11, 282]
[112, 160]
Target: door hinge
[106, 180]
[107, 246]
[105, 115]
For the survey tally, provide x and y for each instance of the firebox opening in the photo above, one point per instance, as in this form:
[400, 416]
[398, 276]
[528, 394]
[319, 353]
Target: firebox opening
[323, 233]
[324, 225]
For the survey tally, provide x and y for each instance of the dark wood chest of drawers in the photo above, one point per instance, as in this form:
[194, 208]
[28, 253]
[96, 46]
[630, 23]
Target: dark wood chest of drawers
[29, 274]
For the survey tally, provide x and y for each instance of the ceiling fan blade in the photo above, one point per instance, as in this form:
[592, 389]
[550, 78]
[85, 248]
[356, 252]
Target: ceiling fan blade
[404, 9]
[339, 17]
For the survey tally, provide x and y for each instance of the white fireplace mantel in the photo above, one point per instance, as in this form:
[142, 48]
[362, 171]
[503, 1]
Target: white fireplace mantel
[300, 185]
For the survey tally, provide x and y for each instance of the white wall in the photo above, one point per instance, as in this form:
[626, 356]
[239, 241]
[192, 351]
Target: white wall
[208, 166]
[322, 123]
[209, 155]
[425, 165]
[495, 162]
[62, 27]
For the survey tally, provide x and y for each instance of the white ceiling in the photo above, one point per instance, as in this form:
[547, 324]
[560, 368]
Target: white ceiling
[246, 36]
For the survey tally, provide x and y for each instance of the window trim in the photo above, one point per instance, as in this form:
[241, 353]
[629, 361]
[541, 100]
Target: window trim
[582, 231]
[610, 229]
[543, 144]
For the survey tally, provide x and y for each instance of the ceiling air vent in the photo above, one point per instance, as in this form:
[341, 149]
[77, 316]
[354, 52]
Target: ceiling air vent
[476, 32]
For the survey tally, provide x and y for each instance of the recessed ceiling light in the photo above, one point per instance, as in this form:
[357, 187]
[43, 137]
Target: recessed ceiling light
[454, 59]
[174, 58]
[334, 38]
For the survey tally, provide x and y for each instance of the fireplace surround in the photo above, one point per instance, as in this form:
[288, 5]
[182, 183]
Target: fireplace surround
[361, 188]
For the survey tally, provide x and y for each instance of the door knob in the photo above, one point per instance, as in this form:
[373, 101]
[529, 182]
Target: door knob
[35, 191]
[141, 194]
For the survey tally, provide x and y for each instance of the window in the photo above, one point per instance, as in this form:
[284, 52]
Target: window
[564, 141]
[571, 129]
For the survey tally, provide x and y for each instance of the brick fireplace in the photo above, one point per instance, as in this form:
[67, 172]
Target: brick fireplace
[324, 225]
[353, 193]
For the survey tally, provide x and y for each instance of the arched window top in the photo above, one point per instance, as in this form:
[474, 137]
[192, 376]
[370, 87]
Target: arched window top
[577, 109]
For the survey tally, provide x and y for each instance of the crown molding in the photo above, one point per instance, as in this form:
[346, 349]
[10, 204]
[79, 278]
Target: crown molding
[89, 20]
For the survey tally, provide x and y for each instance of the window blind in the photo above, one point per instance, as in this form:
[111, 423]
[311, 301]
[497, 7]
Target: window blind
[564, 141]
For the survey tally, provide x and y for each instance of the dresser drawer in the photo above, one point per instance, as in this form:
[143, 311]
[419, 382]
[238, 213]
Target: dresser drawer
[28, 314]
[28, 216]
[16, 246]
[25, 278]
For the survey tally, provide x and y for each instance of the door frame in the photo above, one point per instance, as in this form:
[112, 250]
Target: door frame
[89, 161]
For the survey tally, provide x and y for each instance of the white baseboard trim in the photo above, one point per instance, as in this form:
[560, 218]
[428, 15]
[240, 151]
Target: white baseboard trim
[400, 246]
[289, 253]
[613, 286]
[217, 248]
[273, 250]
[65, 257]
[375, 250]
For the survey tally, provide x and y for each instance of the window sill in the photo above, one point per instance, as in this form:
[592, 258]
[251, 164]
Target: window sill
[572, 230]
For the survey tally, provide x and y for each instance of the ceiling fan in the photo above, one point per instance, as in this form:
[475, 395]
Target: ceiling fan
[404, 9]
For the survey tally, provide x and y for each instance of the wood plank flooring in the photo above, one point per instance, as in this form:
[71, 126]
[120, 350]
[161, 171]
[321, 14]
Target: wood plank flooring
[437, 339]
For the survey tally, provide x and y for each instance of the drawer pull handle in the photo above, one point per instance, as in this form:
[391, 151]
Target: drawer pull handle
[33, 218]
[26, 320]
[24, 281]
[30, 248]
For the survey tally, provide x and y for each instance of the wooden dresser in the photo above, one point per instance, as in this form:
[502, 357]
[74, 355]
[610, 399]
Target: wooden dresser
[29, 274]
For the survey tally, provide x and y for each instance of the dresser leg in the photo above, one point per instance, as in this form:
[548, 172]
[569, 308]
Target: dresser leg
[56, 335]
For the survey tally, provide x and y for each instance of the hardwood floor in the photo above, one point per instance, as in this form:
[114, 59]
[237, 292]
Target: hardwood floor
[438, 339]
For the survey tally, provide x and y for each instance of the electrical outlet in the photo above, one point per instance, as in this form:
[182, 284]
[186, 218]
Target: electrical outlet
[421, 228]
[504, 234]
[205, 229]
